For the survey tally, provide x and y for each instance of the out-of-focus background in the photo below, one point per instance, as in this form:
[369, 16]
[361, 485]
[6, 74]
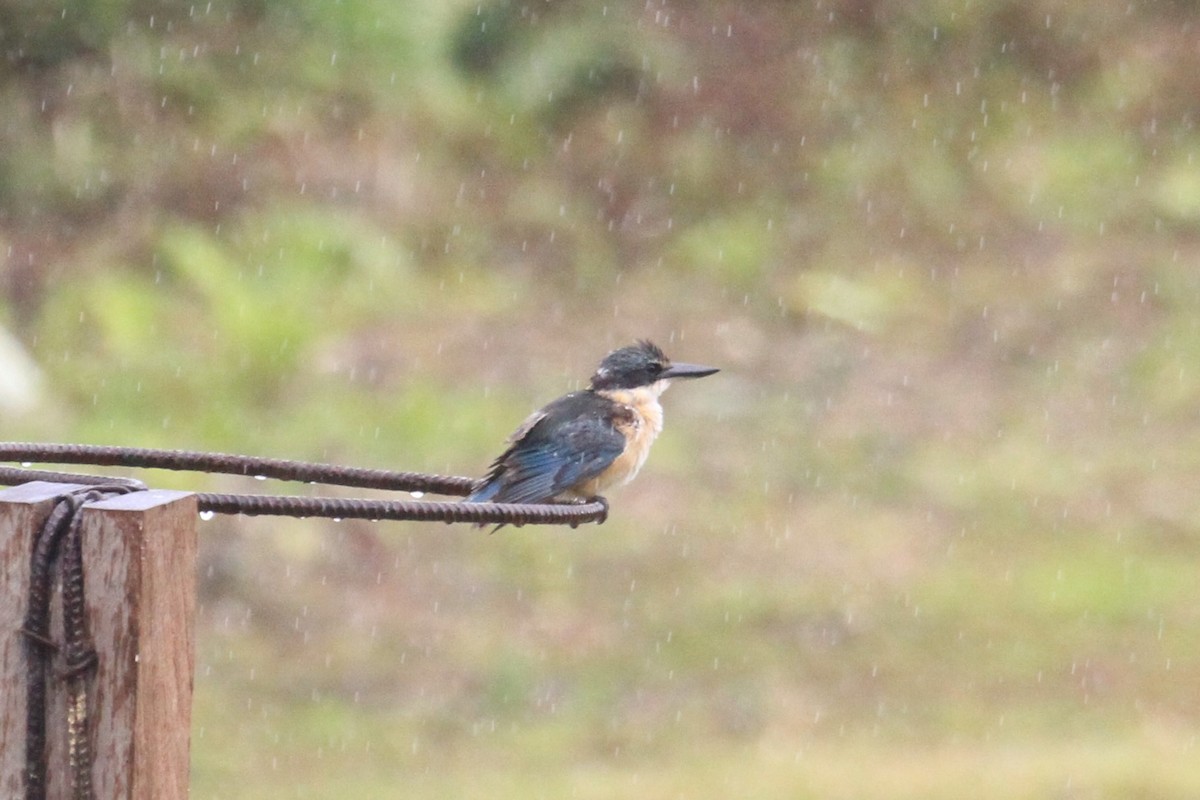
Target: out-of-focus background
[931, 533]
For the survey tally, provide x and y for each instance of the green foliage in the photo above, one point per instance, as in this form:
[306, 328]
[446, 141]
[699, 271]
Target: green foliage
[35, 34]
[733, 251]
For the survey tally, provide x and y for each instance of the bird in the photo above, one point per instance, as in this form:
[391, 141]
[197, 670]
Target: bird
[584, 442]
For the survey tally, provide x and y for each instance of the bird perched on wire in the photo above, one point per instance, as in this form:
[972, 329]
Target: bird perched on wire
[584, 442]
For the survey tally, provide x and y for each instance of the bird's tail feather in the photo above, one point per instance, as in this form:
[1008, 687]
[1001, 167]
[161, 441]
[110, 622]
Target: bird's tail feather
[483, 493]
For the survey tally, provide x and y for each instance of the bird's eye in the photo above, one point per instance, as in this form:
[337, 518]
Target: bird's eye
[656, 366]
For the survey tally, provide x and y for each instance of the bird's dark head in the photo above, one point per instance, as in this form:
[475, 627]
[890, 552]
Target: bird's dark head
[641, 364]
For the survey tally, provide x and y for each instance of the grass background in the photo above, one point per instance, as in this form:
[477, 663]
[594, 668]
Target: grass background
[930, 533]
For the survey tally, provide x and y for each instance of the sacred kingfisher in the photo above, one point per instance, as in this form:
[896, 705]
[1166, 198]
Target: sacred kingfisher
[587, 441]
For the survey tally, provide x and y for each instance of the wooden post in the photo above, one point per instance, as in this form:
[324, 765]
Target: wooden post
[139, 553]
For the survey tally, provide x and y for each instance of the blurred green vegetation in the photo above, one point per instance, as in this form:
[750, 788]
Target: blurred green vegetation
[931, 533]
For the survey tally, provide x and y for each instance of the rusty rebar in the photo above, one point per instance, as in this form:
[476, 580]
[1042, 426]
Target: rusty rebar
[229, 464]
[517, 514]
[572, 514]
[39, 644]
[59, 539]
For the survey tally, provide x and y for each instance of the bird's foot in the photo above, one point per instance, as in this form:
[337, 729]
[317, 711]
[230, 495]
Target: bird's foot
[604, 513]
[587, 501]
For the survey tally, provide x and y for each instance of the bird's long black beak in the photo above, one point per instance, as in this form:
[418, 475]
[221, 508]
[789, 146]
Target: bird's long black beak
[688, 371]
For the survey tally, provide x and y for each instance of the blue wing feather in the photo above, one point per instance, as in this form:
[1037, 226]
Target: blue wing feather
[571, 441]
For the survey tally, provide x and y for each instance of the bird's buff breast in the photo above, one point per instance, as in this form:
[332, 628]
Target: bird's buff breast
[640, 429]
